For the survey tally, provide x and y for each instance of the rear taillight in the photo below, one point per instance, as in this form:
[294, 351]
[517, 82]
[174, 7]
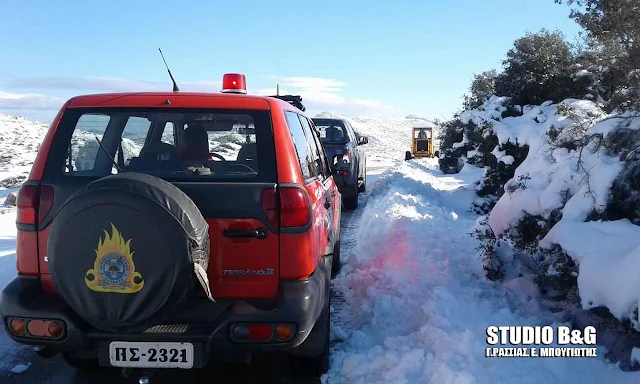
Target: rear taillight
[34, 203]
[270, 205]
[37, 328]
[27, 203]
[295, 207]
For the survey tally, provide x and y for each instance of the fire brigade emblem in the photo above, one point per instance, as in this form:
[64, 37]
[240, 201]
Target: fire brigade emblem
[114, 270]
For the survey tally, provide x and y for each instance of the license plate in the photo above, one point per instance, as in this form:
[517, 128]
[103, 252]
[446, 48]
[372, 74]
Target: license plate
[151, 355]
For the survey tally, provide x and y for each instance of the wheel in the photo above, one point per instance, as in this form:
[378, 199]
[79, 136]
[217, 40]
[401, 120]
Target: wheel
[363, 187]
[351, 203]
[317, 364]
[407, 155]
[80, 364]
[336, 264]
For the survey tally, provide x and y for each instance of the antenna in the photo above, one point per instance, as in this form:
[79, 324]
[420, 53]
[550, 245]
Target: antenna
[175, 86]
[278, 71]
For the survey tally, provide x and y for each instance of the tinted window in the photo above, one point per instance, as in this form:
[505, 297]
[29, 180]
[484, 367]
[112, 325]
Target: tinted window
[332, 131]
[323, 154]
[302, 146]
[175, 144]
[352, 132]
[315, 156]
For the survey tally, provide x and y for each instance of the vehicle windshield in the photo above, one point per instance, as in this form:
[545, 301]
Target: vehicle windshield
[171, 144]
[332, 132]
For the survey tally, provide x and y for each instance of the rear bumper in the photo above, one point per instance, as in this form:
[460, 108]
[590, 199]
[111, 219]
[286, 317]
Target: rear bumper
[207, 325]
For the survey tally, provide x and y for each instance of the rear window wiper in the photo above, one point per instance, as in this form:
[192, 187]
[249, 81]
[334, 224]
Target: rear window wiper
[113, 161]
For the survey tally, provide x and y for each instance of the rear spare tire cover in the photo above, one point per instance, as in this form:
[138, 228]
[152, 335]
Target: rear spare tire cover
[123, 251]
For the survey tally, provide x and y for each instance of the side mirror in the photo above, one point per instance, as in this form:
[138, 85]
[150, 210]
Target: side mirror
[363, 140]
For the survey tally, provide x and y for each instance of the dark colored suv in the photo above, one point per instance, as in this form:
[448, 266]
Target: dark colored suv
[342, 144]
[164, 230]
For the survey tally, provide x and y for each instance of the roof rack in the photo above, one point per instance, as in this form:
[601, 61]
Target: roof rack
[294, 100]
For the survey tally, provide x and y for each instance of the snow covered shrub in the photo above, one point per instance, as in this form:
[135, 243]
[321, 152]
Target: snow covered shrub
[499, 172]
[488, 250]
[557, 275]
[624, 199]
[452, 153]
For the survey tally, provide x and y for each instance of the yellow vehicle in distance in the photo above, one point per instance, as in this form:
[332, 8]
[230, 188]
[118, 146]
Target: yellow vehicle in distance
[421, 144]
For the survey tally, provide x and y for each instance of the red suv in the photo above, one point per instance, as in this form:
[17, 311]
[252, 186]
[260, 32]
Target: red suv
[165, 230]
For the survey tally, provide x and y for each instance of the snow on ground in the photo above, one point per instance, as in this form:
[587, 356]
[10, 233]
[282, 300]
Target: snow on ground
[8, 348]
[417, 306]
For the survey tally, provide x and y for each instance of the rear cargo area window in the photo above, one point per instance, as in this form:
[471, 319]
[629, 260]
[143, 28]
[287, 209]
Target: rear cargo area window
[168, 143]
[332, 133]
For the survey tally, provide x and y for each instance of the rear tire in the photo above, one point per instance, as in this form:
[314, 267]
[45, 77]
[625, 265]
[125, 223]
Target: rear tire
[363, 187]
[351, 203]
[336, 264]
[407, 156]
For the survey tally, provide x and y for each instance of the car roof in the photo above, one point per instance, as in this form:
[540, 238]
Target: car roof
[180, 99]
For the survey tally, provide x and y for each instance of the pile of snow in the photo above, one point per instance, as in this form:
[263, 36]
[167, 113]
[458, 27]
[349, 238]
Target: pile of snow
[389, 137]
[417, 307]
[576, 182]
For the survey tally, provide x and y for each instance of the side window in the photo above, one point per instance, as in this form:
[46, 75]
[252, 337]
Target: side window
[351, 132]
[301, 144]
[313, 143]
[321, 160]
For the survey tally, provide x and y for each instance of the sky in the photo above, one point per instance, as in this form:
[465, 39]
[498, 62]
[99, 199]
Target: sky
[356, 57]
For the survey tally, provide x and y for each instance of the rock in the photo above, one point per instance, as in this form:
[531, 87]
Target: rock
[13, 181]
[11, 199]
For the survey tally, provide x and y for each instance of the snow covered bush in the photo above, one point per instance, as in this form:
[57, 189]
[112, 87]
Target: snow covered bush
[581, 166]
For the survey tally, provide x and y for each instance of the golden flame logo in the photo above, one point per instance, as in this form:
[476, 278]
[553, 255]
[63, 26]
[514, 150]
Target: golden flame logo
[114, 270]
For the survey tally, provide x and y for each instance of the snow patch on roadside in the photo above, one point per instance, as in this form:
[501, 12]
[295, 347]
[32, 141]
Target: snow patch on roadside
[417, 304]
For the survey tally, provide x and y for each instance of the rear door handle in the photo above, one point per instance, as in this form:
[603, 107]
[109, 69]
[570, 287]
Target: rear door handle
[333, 193]
[259, 233]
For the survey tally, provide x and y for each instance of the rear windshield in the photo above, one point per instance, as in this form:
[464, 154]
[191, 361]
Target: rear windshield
[331, 131]
[174, 144]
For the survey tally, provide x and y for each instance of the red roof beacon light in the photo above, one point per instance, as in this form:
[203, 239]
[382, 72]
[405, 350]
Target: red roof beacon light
[234, 83]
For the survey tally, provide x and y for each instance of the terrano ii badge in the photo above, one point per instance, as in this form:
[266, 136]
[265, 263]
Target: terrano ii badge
[250, 272]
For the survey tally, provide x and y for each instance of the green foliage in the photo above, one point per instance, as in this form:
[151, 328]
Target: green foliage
[498, 173]
[613, 53]
[557, 272]
[538, 68]
[482, 87]
[487, 248]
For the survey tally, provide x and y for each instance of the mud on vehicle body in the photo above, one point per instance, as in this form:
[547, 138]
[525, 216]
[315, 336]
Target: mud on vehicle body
[204, 227]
